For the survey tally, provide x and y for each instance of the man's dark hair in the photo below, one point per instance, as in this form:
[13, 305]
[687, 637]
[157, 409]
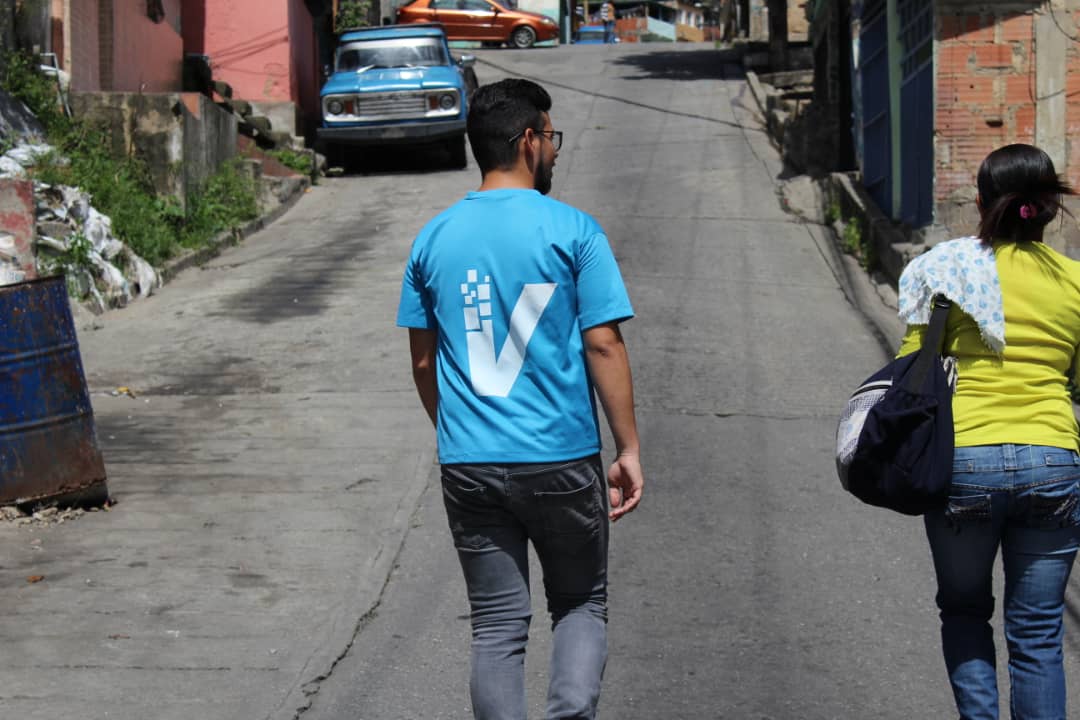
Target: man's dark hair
[1020, 193]
[498, 112]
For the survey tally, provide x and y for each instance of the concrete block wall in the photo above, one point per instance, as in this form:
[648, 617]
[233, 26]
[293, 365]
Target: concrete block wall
[184, 137]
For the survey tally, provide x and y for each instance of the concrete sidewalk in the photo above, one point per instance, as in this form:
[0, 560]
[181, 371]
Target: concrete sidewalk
[265, 471]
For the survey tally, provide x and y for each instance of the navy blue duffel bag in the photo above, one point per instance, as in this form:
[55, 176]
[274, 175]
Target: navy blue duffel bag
[894, 444]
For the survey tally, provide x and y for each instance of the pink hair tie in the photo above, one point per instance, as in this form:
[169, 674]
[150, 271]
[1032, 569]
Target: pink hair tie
[1027, 211]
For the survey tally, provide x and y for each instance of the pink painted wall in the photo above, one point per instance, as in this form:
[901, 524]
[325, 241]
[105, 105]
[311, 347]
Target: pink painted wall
[147, 56]
[248, 45]
[115, 46]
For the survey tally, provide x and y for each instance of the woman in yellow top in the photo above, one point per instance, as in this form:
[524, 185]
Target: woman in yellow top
[1014, 328]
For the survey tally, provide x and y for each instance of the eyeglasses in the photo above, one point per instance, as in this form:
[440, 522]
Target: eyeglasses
[555, 136]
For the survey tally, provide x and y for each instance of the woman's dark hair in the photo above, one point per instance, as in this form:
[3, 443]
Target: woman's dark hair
[498, 112]
[1020, 193]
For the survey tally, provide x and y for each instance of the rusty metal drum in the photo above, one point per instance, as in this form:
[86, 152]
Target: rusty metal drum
[48, 447]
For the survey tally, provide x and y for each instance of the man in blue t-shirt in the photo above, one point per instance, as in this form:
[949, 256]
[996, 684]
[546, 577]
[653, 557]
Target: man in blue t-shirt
[513, 303]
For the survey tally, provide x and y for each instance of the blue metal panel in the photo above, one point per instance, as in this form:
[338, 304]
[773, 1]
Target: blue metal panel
[48, 448]
[916, 112]
[876, 131]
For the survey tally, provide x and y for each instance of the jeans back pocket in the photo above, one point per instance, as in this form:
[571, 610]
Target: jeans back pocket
[1051, 506]
[969, 507]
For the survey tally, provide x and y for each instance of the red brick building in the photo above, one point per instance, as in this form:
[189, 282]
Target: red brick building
[1006, 72]
[938, 85]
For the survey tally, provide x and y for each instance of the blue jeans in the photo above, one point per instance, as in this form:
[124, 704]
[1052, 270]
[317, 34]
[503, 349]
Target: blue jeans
[1027, 500]
[494, 511]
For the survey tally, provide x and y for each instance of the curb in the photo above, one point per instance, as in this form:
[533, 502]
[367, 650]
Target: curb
[229, 238]
[872, 294]
[892, 248]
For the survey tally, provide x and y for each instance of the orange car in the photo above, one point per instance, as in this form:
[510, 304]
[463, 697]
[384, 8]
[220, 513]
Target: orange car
[481, 20]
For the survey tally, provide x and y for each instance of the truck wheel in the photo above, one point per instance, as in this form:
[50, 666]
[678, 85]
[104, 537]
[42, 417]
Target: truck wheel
[523, 37]
[456, 148]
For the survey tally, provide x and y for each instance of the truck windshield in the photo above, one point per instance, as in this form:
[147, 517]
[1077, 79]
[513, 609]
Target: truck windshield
[399, 52]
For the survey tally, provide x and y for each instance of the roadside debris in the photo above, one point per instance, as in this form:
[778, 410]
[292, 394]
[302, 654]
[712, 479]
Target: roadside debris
[73, 237]
[15, 515]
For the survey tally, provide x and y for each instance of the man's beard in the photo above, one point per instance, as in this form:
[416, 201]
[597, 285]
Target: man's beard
[542, 178]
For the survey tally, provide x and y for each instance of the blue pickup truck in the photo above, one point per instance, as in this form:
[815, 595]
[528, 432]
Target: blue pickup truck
[396, 84]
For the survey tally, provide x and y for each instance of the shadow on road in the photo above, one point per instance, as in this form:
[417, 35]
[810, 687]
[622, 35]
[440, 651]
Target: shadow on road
[692, 65]
[396, 160]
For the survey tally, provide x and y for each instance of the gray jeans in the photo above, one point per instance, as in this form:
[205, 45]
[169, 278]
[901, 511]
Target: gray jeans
[494, 511]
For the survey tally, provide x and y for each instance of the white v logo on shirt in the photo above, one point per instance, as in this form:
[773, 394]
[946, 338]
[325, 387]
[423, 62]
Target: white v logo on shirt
[493, 376]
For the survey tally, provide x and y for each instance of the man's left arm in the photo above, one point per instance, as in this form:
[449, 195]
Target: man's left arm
[422, 346]
[609, 368]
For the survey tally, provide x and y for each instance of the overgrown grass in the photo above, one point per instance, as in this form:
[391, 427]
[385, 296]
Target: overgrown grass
[855, 243]
[227, 200]
[155, 227]
[298, 161]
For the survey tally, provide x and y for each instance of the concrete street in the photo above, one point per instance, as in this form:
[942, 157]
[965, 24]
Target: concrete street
[279, 548]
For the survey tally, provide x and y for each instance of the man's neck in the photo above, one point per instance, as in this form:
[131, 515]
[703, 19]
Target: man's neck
[516, 179]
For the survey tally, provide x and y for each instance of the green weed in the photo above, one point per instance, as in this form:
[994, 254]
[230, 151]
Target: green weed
[833, 211]
[22, 78]
[855, 243]
[298, 161]
[153, 227]
[226, 201]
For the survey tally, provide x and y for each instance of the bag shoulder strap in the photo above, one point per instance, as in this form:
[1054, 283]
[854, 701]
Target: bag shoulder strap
[932, 343]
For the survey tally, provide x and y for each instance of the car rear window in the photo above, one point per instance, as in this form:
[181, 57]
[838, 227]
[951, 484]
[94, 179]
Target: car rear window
[402, 52]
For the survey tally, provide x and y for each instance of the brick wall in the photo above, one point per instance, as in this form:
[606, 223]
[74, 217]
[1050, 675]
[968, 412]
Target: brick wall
[985, 92]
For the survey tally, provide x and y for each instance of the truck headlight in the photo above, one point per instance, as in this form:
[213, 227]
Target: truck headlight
[444, 101]
[334, 107]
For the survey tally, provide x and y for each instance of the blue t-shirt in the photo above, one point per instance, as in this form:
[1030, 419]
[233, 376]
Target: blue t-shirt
[510, 278]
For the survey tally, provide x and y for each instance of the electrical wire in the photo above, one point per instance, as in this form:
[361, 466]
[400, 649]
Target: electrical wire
[1063, 31]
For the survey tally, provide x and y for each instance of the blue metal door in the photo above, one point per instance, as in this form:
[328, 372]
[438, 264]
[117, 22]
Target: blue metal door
[916, 112]
[876, 132]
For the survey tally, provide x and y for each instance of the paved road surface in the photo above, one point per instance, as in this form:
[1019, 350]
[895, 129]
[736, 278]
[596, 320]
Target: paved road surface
[748, 585]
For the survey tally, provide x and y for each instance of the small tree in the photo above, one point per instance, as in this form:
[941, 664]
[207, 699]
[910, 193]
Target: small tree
[352, 13]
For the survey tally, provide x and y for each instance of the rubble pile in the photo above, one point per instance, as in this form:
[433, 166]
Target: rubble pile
[107, 273]
[44, 516]
[76, 239]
